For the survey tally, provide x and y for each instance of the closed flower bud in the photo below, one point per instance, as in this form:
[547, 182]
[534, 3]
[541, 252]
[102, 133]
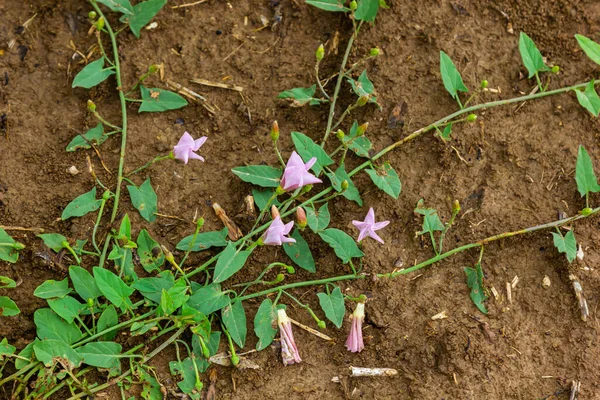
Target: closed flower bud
[290, 270]
[484, 84]
[321, 324]
[353, 5]
[555, 69]
[18, 246]
[275, 131]
[345, 184]
[99, 24]
[320, 53]
[301, 217]
[106, 195]
[153, 68]
[92, 15]
[274, 212]
[279, 278]
[362, 129]
[362, 100]
[168, 255]
[235, 361]
[471, 118]
[340, 134]
[375, 52]
[90, 302]
[91, 106]
[455, 207]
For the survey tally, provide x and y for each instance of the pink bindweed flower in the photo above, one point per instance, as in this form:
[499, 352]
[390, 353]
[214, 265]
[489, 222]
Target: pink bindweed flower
[185, 148]
[369, 226]
[289, 351]
[296, 173]
[355, 339]
[275, 234]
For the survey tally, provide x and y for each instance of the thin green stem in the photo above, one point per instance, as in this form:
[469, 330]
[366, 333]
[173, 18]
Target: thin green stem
[149, 163]
[540, 86]
[105, 122]
[338, 85]
[97, 224]
[278, 153]
[321, 88]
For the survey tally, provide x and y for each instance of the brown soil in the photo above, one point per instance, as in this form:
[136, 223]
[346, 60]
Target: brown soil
[520, 160]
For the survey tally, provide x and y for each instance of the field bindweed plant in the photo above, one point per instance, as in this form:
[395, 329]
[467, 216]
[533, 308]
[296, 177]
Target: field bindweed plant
[106, 295]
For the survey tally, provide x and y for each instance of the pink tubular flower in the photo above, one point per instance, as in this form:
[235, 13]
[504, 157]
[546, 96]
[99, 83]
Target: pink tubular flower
[369, 226]
[289, 351]
[275, 234]
[185, 148]
[296, 173]
[355, 340]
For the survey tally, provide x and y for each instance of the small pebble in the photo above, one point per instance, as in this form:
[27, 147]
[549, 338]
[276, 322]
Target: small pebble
[73, 170]
[546, 282]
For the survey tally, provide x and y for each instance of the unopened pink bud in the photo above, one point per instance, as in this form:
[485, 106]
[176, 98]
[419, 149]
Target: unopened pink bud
[301, 217]
[274, 212]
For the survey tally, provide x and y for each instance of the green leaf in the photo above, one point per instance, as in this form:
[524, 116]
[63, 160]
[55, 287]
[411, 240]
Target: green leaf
[230, 261]
[150, 386]
[475, 283]
[174, 298]
[159, 100]
[84, 283]
[52, 288]
[591, 48]
[261, 175]
[318, 220]
[27, 352]
[6, 349]
[203, 241]
[144, 200]
[208, 299]
[108, 319]
[386, 179]
[125, 227]
[51, 326]
[367, 10]
[122, 6]
[532, 58]
[54, 241]
[344, 246]
[93, 74]
[7, 252]
[589, 98]
[264, 320]
[112, 287]
[336, 181]
[262, 197]
[142, 14]
[67, 308]
[329, 5]
[299, 252]
[47, 350]
[7, 283]
[94, 136]
[584, 173]
[309, 149]
[333, 306]
[450, 76]
[364, 87]
[149, 251]
[82, 205]
[187, 372]
[445, 134]
[301, 96]
[360, 145]
[234, 318]
[151, 288]
[79, 245]
[101, 354]
[431, 220]
[566, 244]
[8, 308]
[123, 258]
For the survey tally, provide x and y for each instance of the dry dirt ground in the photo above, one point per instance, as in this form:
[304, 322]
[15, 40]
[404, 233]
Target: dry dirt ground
[514, 168]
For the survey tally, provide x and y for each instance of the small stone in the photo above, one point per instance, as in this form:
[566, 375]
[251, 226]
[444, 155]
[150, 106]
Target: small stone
[546, 282]
[73, 170]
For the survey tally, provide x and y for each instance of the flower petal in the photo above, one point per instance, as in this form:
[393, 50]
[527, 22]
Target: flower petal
[199, 142]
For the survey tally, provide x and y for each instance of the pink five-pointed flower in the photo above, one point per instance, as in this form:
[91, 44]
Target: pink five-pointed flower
[355, 339]
[185, 148]
[275, 234]
[296, 173]
[369, 226]
[289, 351]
